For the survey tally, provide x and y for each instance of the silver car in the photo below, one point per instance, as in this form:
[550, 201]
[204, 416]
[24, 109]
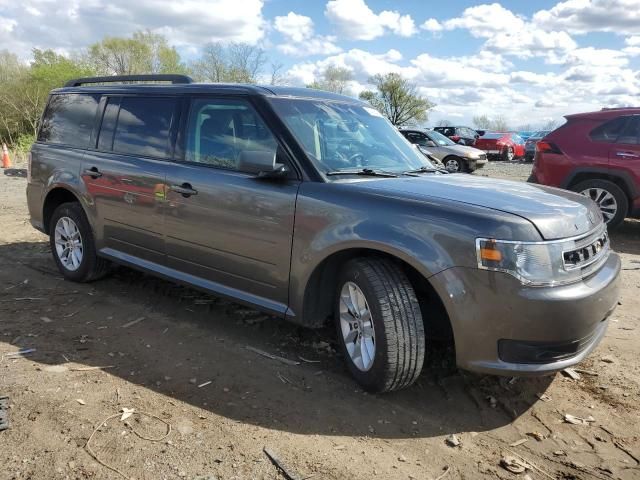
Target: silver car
[455, 157]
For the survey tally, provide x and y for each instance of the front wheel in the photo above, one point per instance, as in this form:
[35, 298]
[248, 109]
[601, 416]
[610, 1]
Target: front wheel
[454, 164]
[379, 325]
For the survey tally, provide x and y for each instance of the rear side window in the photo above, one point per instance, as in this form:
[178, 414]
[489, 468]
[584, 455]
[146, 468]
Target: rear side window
[68, 119]
[609, 131]
[144, 125]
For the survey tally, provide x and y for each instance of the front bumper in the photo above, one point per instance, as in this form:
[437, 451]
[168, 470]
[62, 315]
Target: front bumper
[503, 327]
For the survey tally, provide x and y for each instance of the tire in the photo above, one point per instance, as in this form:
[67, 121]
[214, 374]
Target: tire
[454, 164]
[611, 199]
[398, 331]
[508, 154]
[69, 217]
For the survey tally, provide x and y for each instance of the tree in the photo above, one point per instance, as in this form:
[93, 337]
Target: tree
[550, 125]
[444, 123]
[397, 99]
[23, 95]
[333, 79]
[498, 124]
[145, 52]
[229, 62]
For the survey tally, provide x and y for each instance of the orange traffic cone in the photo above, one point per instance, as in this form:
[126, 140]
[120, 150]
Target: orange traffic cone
[6, 161]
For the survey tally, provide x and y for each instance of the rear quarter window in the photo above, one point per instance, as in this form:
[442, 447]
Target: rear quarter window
[68, 119]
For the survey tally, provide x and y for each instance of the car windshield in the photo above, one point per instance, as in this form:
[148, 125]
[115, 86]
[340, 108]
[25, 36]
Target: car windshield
[440, 139]
[342, 136]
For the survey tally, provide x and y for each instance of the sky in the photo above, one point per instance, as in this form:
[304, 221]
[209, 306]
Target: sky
[527, 61]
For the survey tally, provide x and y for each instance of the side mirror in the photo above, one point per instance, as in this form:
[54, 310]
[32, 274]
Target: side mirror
[262, 163]
[430, 143]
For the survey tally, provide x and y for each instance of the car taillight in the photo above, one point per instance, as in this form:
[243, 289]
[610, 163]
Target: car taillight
[547, 147]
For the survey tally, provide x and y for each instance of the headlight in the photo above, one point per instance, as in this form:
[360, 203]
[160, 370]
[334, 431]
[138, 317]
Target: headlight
[545, 263]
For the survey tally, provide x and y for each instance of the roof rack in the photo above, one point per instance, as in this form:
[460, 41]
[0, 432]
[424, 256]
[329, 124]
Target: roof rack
[173, 78]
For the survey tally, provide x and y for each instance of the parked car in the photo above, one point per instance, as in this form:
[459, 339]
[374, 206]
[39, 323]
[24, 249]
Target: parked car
[524, 134]
[455, 157]
[246, 192]
[596, 154]
[461, 135]
[530, 144]
[501, 146]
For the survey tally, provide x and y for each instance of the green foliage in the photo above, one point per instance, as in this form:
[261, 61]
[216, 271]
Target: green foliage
[397, 99]
[24, 142]
[145, 52]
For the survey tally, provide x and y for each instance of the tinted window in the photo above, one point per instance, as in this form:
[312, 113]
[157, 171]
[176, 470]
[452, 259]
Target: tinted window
[144, 125]
[220, 130]
[109, 118]
[69, 119]
[631, 133]
[416, 138]
[609, 131]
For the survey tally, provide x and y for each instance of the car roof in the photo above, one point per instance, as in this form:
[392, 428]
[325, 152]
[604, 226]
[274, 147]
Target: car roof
[606, 113]
[203, 88]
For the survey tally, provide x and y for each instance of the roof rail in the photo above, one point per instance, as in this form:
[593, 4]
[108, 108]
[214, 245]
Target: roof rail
[173, 78]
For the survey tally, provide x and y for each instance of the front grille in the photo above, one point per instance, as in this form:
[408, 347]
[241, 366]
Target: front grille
[521, 351]
[588, 251]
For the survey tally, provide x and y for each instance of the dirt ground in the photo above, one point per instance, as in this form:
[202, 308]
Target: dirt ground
[182, 357]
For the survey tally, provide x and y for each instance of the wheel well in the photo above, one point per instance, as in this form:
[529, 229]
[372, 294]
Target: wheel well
[581, 177]
[55, 198]
[320, 291]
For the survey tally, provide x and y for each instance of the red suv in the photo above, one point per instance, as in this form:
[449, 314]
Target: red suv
[596, 154]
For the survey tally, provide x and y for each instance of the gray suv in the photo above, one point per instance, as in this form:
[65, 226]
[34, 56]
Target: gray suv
[313, 207]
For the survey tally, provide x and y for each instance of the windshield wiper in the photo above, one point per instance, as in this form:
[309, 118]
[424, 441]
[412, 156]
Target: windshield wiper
[426, 170]
[369, 172]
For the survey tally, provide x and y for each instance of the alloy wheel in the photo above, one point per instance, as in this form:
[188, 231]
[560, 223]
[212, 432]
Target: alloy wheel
[605, 201]
[68, 242]
[510, 154]
[357, 328]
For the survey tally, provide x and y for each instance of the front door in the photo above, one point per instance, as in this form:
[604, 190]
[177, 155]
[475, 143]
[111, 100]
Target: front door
[125, 175]
[624, 155]
[224, 227]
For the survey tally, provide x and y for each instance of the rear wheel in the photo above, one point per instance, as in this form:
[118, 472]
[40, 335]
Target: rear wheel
[379, 325]
[609, 197]
[508, 154]
[72, 245]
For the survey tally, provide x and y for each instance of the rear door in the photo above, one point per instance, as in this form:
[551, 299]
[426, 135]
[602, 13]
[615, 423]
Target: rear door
[624, 154]
[227, 228]
[125, 175]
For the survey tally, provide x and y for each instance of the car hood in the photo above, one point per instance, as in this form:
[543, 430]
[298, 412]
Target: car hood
[555, 213]
[464, 151]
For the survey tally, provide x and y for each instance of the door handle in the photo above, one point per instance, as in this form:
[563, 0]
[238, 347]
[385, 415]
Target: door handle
[627, 155]
[185, 190]
[93, 172]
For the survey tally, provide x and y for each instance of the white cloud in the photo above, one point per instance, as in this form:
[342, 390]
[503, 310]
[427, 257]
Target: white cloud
[505, 32]
[583, 16]
[300, 38]
[71, 25]
[633, 46]
[355, 20]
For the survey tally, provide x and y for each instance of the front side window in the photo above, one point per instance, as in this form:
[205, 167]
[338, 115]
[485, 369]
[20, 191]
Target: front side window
[440, 139]
[220, 130]
[144, 125]
[68, 119]
[343, 136]
[417, 138]
[609, 131]
[631, 133]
